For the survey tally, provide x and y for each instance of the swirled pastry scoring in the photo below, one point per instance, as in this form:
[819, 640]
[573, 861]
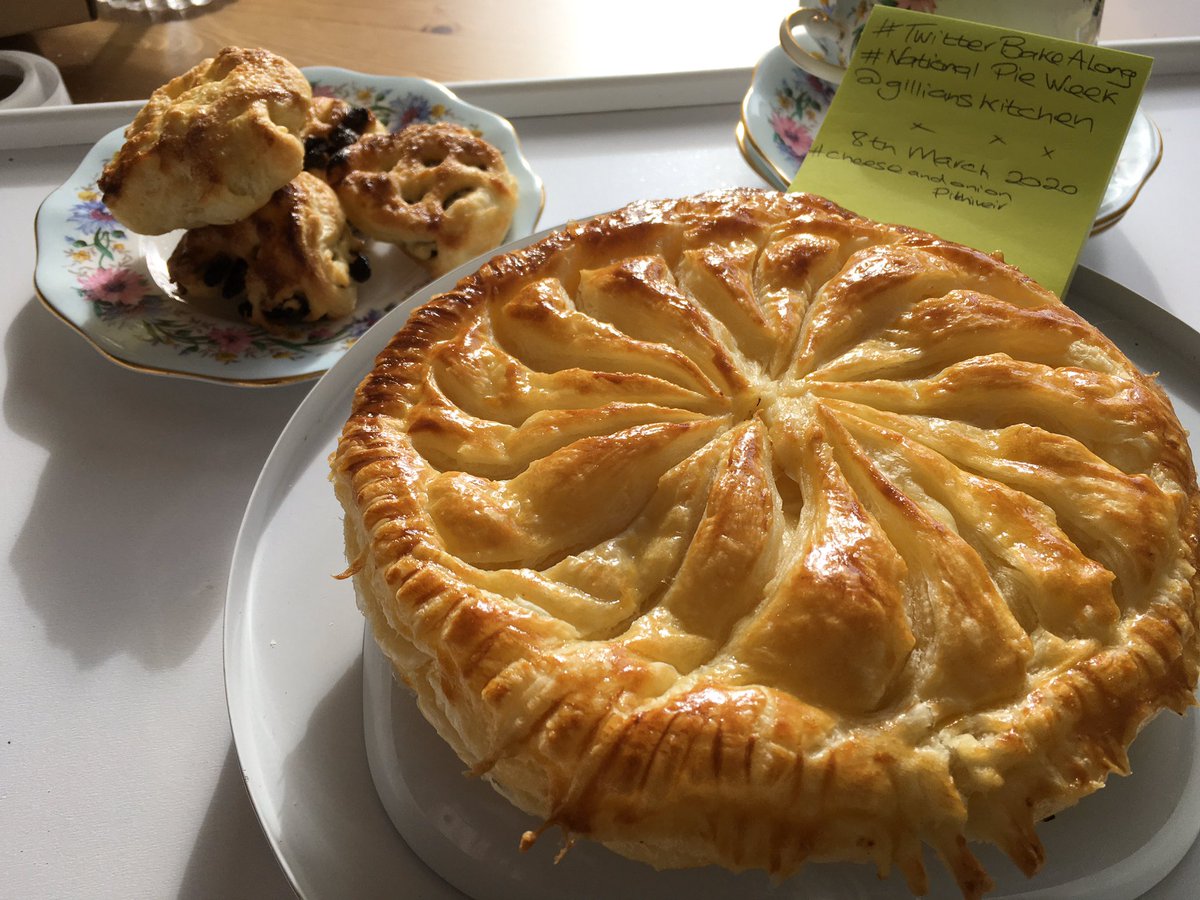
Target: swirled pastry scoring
[741, 529]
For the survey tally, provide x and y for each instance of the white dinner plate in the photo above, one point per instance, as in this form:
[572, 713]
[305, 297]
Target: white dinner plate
[112, 286]
[785, 106]
[299, 705]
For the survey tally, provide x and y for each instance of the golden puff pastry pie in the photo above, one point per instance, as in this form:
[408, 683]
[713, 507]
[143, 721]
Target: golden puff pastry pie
[438, 191]
[294, 260]
[740, 529]
[211, 146]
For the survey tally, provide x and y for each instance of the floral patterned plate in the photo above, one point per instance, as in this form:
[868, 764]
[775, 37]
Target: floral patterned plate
[784, 108]
[111, 285]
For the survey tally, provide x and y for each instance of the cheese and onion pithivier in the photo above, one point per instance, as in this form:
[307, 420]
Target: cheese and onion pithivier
[741, 529]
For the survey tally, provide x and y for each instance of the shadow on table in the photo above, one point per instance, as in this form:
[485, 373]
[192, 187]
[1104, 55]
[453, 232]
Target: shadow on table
[332, 824]
[232, 857]
[129, 534]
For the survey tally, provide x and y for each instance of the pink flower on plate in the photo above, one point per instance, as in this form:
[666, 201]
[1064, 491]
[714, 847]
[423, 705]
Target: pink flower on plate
[116, 287]
[320, 334]
[795, 138]
[230, 341]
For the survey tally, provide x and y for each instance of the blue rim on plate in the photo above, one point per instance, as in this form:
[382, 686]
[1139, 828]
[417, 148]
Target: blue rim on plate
[112, 286]
[784, 107]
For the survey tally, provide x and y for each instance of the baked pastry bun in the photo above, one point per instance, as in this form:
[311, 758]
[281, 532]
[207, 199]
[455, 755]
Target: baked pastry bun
[440, 192]
[211, 146]
[294, 260]
[741, 529]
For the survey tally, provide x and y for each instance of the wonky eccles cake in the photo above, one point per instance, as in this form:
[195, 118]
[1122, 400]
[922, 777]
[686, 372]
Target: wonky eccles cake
[741, 529]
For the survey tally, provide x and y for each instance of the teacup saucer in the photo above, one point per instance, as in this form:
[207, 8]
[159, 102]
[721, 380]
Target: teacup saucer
[755, 160]
[784, 107]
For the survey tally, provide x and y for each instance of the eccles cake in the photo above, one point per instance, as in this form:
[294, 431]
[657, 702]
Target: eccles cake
[211, 146]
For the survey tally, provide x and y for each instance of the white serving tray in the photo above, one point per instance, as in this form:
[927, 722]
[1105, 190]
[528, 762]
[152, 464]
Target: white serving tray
[467, 833]
[87, 123]
[299, 705]
[598, 144]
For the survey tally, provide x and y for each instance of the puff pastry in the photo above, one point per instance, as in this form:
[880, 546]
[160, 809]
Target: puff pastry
[440, 192]
[211, 146]
[294, 260]
[742, 529]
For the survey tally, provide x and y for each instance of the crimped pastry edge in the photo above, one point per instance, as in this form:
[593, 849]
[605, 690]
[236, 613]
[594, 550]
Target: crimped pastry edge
[462, 693]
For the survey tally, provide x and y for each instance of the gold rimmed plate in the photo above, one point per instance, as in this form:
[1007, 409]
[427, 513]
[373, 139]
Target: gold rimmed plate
[112, 286]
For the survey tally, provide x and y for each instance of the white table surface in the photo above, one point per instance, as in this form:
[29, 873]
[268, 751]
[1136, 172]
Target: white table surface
[123, 493]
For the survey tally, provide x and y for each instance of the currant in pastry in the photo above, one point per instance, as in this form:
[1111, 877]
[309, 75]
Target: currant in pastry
[441, 193]
[333, 125]
[294, 260]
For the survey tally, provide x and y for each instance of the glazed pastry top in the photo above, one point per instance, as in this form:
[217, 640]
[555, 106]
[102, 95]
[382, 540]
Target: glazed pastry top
[742, 529]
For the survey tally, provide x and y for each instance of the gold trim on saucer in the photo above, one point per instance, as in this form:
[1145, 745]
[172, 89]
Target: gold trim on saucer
[1116, 215]
[746, 136]
[753, 161]
[757, 148]
[756, 159]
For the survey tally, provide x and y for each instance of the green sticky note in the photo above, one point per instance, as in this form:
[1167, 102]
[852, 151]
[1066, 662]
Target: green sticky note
[998, 139]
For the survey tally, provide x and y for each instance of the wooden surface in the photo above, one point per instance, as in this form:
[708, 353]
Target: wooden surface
[125, 55]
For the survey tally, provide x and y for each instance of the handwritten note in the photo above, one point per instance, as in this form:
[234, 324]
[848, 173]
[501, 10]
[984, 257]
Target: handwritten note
[998, 139]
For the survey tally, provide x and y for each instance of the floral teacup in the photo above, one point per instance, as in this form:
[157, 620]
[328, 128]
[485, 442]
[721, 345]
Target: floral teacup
[830, 29]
